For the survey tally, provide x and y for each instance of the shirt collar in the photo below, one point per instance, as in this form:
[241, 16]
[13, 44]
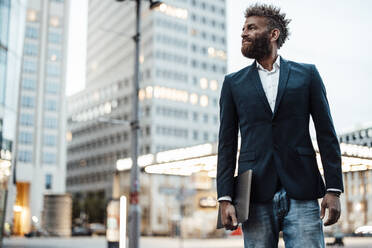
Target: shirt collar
[276, 64]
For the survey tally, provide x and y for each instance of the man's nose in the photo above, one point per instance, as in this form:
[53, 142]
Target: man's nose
[244, 33]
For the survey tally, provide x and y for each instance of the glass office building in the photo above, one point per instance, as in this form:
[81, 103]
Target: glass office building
[12, 14]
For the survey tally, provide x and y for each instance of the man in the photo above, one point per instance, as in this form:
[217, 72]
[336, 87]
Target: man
[271, 102]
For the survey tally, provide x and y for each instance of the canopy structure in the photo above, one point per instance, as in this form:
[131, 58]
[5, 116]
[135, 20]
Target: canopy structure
[189, 160]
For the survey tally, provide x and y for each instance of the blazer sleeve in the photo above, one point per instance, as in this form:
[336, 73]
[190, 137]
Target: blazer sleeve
[329, 147]
[227, 142]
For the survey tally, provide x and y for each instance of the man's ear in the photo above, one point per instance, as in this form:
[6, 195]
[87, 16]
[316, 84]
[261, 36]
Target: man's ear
[274, 34]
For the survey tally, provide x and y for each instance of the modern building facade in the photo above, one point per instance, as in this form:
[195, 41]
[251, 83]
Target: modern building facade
[41, 128]
[12, 15]
[182, 66]
[358, 136]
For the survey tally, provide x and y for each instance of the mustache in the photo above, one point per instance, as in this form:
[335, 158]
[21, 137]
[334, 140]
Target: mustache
[247, 39]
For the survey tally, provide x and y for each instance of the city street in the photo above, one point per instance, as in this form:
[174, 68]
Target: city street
[151, 242]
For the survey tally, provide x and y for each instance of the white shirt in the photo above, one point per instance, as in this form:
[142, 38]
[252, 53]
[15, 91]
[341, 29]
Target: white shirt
[270, 83]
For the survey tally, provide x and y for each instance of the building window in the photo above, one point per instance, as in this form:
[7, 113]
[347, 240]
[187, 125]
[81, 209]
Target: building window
[27, 120]
[29, 84]
[215, 102]
[215, 119]
[223, 41]
[194, 63]
[52, 87]
[50, 140]
[54, 37]
[29, 66]
[50, 105]
[222, 11]
[195, 135]
[48, 181]
[50, 122]
[32, 15]
[195, 116]
[205, 118]
[32, 33]
[49, 158]
[54, 21]
[54, 54]
[28, 101]
[206, 136]
[53, 70]
[25, 156]
[25, 138]
[31, 49]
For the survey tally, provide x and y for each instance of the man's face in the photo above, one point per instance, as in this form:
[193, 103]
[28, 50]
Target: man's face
[255, 38]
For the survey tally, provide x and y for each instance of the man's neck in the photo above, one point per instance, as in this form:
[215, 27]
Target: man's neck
[268, 61]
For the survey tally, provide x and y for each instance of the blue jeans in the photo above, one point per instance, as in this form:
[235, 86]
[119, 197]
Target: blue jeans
[299, 220]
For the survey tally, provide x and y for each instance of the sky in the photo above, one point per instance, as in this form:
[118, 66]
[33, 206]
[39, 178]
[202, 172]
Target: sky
[334, 35]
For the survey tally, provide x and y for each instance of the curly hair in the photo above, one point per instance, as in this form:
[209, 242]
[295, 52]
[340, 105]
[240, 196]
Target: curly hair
[275, 19]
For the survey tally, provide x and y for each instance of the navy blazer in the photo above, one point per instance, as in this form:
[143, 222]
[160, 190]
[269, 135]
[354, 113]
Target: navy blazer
[277, 146]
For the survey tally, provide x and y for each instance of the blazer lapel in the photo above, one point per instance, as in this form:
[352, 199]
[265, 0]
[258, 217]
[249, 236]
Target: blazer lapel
[283, 79]
[255, 79]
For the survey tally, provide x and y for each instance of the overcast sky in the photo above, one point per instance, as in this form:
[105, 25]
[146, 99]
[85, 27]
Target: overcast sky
[334, 35]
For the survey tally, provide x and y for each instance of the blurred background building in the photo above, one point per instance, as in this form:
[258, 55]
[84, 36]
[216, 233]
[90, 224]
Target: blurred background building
[358, 136]
[12, 14]
[40, 130]
[183, 62]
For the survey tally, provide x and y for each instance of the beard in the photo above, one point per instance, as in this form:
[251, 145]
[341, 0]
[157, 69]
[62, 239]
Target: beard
[258, 48]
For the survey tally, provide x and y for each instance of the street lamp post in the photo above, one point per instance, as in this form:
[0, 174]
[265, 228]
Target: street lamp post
[134, 208]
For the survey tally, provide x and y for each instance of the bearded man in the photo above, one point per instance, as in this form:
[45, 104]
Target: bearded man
[271, 101]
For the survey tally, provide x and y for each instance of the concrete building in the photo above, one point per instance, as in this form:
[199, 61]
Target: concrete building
[182, 66]
[11, 44]
[358, 136]
[41, 129]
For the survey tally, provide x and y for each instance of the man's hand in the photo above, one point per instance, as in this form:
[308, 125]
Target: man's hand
[332, 202]
[228, 215]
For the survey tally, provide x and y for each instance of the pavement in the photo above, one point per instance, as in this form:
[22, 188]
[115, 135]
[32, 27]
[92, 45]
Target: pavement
[153, 242]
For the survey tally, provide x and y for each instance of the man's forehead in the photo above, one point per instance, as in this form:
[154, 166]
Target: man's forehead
[260, 20]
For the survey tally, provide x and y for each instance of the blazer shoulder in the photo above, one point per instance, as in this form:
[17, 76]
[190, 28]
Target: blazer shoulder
[305, 67]
[238, 74]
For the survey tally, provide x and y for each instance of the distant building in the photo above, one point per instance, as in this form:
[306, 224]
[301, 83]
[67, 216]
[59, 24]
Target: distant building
[358, 136]
[12, 16]
[183, 63]
[41, 128]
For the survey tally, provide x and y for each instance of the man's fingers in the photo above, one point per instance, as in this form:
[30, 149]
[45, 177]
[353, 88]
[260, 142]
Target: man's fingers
[226, 220]
[234, 220]
[322, 211]
[332, 217]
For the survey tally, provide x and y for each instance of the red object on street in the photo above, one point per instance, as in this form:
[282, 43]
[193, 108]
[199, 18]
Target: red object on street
[237, 232]
[134, 198]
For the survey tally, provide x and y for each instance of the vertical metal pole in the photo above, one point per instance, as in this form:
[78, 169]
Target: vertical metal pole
[135, 211]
